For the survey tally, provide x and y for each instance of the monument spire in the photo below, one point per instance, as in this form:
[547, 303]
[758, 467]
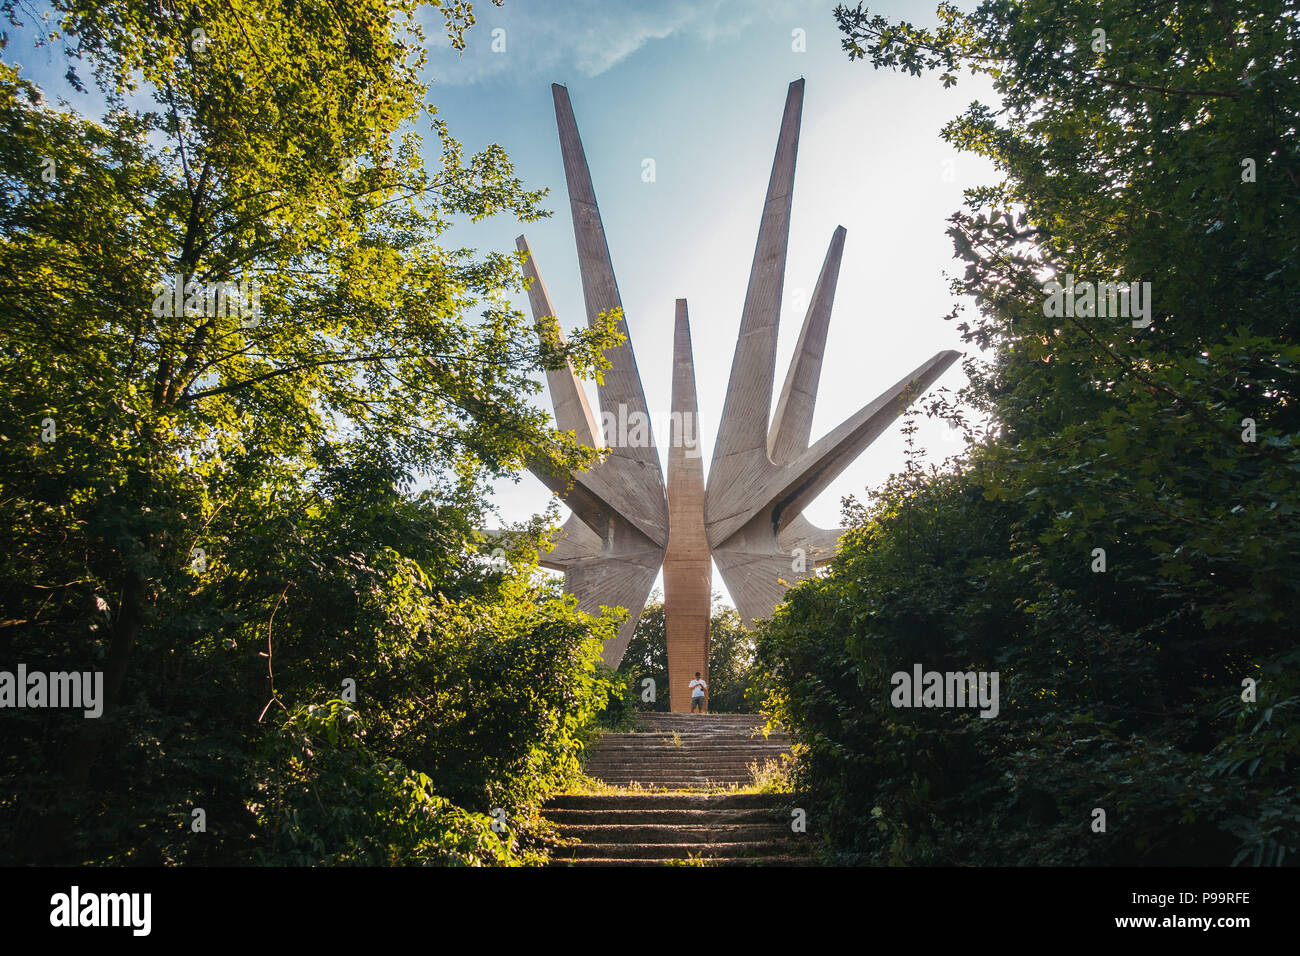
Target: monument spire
[622, 398]
[747, 519]
[572, 410]
[742, 432]
[792, 421]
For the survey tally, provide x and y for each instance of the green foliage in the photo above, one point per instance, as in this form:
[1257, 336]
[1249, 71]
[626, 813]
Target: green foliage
[1100, 706]
[731, 656]
[324, 798]
[623, 700]
[494, 699]
[691, 859]
[235, 517]
[647, 656]
[1123, 689]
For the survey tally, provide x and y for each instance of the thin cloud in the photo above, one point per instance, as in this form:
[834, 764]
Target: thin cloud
[587, 37]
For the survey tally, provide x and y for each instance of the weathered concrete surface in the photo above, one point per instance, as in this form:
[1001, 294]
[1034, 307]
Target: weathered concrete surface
[792, 420]
[633, 470]
[572, 411]
[688, 570]
[747, 518]
[606, 558]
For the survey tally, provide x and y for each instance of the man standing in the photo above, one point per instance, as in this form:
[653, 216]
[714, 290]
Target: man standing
[698, 687]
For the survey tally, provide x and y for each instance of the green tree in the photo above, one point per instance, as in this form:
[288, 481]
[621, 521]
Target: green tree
[1123, 160]
[219, 510]
[647, 655]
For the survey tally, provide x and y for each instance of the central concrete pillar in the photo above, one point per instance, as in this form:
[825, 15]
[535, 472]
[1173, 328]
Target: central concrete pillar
[688, 567]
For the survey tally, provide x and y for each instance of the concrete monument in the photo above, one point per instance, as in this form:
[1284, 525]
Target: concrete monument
[626, 523]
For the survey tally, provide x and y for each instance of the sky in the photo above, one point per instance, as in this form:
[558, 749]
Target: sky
[698, 88]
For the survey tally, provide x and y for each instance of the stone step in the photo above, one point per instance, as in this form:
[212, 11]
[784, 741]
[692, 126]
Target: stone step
[589, 818]
[684, 781]
[713, 739]
[684, 736]
[671, 773]
[680, 772]
[691, 781]
[685, 801]
[665, 771]
[680, 763]
[638, 752]
[701, 746]
[672, 715]
[685, 753]
[732, 764]
[693, 784]
[698, 723]
[612, 739]
[697, 731]
[669, 833]
[658, 753]
[699, 727]
[599, 771]
[670, 753]
[663, 718]
[728, 753]
[709, 861]
[699, 740]
[684, 772]
[699, 720]
[688, 786]
[661, 829]
[640, 760]
[672, 760]
[740, 766]
[679, 851]
[691, 764]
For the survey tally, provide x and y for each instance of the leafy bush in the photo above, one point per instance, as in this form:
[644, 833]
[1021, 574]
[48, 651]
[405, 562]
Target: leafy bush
[1094, 712]
[324, 798]
[484, 680]
[622, 701]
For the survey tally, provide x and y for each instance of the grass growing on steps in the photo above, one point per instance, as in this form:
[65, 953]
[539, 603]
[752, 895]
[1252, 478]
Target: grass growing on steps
[718, 755]
[773, 776]
[691, 859]
[591, 786]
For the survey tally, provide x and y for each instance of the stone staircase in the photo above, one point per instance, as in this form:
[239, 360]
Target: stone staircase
[675, 765]
[685, 752]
